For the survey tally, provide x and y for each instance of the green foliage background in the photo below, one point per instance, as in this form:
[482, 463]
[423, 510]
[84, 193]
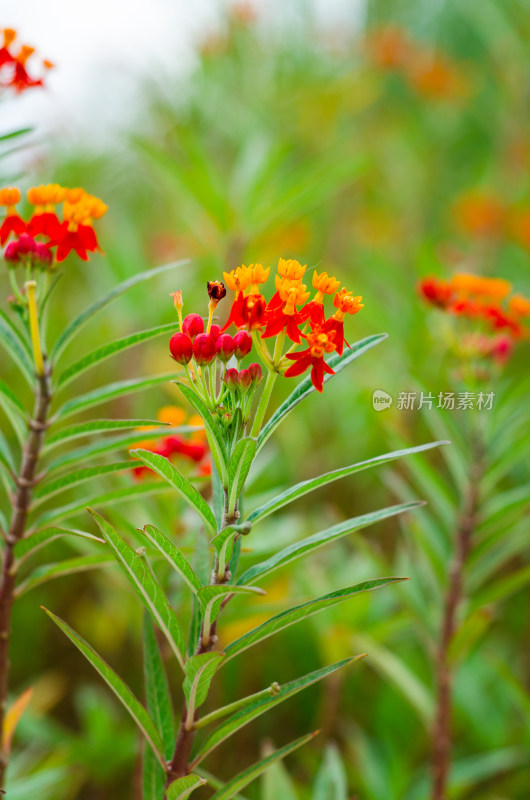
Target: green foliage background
[287, 142]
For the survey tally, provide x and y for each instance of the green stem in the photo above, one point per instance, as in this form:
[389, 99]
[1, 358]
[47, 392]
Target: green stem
[263, 402]
[16, 290]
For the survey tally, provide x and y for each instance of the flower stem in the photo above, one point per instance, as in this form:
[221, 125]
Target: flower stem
[271, 691]
[263, 402]
[441, 735]
[25, 481]
[34, 327]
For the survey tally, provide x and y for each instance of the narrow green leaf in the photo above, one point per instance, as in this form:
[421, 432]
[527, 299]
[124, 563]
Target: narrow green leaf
[215, 440]
[183, 787]
[153, 776]
[110, 349]
[48, 488]
[97, 426]
[166, 470]
[276, 783]
[157, 693]
[200, 671]
[173, 555]
[224, 543]
[300, 489]
[70, 566]
[499, 590]
[233, 786]
[249, 713]
[111, 391]
[331, 782]
[14, 344]
[139, 489]
[311, 543]
[293, 615]
[7, 392]
[83, 318]
[14, 411]
[145, 585]
[239, 467]
[305, 387]
[30, 544]
[118, 686]
[109, 445]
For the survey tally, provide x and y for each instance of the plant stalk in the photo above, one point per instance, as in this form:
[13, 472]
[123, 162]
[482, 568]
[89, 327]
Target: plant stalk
[179, 766]
[25, 482]
[442, 733]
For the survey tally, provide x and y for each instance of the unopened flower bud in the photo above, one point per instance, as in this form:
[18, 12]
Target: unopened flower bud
[181, 348]
[231, 378]
[204, 350]
[11, 254]
[193, 325]
[242, 344]
[43, 256]
[26, 245]
[244, 379]
[256, 373]
[177, 300]
[225, 347]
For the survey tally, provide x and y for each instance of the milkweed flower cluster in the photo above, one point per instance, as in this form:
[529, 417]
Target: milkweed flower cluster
[293, 318]
[191, 447]
[429, 73]
[47, 238]
[502, 317]
[14, 57]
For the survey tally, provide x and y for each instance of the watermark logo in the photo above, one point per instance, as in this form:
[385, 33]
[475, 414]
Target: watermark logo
[381, 400]
[450, 401]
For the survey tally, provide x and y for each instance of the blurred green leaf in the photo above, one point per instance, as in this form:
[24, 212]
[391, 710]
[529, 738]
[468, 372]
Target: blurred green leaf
[331, 782]
[183, 787]
[215, 441]
[157, 690]
[238, 468]
[70, 566]
[109, 392]
[48, 488]
[173, 556]
[95, 427]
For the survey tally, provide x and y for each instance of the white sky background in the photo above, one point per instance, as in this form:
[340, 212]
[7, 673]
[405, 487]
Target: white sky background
[102, 49]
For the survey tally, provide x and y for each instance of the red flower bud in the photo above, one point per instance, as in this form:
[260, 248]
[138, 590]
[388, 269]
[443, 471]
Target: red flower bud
[193, 325]
[215, 331]
[181, 348]
[43, 256]
[204, 350]
[225, 347]
[230, 378]
[11, 254]
[244, 379]
[23, 247]
[242, 344]
[256, 373]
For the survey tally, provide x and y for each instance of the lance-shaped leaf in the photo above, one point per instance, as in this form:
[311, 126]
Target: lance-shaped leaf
[239, 467]
[200, 670]
[215, 440]
[111, 391]
[96, 426]
[233, 786]
[293, 615]
[12, 718]
[157, 689]
[247, 714]
[30, 544]
[183, 787]
[48, 488]
[88, 452]
[13, 343]
[110, 349]
[212, 597]
[173, 556]
[317, 540]
[147, 588]
[69, 566]
[118, 686]
[300, 489]
[305, 387]
[224, 543]
[75, 326]
[166, 470]
[140, 489]
[153, 776]
[14, 410]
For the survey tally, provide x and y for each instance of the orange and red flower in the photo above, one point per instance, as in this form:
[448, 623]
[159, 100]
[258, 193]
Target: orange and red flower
[14, 72]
